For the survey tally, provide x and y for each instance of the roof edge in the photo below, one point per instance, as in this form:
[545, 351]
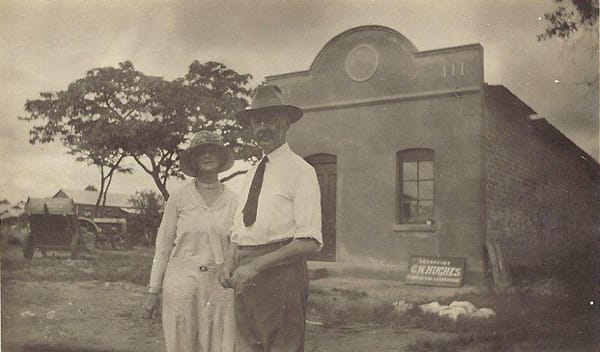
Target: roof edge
[493, 89]
[287, 75]
[449, 49]
[541, 122]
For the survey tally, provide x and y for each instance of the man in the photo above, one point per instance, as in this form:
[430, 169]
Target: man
[277, 223]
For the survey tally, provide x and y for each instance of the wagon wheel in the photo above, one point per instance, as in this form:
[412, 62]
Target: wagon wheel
[28, 247]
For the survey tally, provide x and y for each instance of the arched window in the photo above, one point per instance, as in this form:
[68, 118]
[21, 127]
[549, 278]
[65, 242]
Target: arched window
[415, 186]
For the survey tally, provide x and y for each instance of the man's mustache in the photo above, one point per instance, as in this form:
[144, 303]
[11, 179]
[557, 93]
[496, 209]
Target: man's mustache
[264, 133]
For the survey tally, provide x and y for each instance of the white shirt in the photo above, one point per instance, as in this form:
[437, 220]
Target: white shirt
[193, 230]
[289, 205]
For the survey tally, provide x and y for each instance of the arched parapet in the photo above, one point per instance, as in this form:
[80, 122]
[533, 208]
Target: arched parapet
[375, 64]
[362, 35]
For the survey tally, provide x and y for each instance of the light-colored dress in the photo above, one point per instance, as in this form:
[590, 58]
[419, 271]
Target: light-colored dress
[197, 313]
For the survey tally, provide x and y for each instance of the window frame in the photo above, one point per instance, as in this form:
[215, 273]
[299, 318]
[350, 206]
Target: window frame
[417, 155]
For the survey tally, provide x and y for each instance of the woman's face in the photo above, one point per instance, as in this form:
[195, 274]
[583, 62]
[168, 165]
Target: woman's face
[207, 159]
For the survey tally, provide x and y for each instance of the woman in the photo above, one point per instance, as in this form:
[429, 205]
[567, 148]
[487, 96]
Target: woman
[197, 313]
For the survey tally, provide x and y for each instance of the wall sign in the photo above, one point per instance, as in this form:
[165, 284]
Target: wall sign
[436, 271]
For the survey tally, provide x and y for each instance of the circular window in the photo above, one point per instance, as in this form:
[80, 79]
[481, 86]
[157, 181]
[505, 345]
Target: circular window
[361, 63]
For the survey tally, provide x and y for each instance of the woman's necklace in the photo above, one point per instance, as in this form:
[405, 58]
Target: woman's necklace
[201, 185]
[210, 192]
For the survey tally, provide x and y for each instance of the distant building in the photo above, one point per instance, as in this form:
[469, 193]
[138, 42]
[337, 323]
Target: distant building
[116, 206]
[417, 155]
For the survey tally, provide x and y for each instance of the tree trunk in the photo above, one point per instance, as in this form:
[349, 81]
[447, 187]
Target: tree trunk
[100, 192]
[154, 172]
[106, 180]
[109, 180]
[162, 187]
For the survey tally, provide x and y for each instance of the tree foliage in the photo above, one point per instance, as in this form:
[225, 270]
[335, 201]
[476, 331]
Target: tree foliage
[84, 118]
[149, 207]
[206, 98]
[148, 203]
[572, 16]
[569, 17]
[118, 112]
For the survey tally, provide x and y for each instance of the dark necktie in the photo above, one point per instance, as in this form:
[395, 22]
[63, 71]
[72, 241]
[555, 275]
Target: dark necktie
[251, 205]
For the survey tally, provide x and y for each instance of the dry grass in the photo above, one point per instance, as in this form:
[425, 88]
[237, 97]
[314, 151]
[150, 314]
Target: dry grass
[107, 266]
[524, 321]
[535, 323]
[528, 322]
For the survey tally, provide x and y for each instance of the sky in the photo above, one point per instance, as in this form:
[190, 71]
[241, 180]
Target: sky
[45, 45]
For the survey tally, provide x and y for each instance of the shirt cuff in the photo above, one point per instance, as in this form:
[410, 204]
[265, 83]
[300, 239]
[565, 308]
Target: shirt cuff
[311, 237]
[154, 289]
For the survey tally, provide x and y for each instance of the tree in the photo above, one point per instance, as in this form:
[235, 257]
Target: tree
[149, 206]
[570, 17]
[85, 117]
[118, 112]
[147, 203]
[91, 188]
[213, 94]
[206, 98]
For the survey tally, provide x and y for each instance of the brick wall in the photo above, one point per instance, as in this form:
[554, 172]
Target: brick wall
[510, 182]
[568, 193]
[541, 191]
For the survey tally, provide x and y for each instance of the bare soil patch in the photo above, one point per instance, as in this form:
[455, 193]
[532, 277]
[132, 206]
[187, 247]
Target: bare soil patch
[94, 304]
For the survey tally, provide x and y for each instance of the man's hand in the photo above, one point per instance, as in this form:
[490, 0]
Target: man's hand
[224, 272]
[243, 276]
[150, 303]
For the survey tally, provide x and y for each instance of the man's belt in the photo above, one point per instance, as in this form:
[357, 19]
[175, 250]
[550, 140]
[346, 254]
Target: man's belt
[276, 244]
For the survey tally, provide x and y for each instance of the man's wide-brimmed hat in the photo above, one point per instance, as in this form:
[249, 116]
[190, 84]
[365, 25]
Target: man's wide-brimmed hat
[269, 99]
[201, 139]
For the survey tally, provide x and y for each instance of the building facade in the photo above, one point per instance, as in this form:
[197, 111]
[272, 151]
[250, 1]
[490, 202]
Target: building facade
[116, 206]
[417, 155]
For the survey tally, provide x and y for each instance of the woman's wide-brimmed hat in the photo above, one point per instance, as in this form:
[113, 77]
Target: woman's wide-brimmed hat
[269, 99]
[200, 139]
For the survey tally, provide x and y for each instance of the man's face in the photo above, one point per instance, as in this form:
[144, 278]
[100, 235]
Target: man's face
[269, 130]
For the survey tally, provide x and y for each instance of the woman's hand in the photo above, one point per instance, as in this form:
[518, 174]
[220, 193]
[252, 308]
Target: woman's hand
[150, 304]
[224, 272]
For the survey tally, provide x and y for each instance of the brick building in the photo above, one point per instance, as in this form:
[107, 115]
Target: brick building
[417, 155]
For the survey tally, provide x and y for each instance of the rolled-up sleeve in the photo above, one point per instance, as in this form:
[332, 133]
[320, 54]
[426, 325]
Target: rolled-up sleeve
[164, 244]
[307, 207]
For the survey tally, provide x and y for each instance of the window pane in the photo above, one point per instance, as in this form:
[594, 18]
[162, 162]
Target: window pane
[409, 190]
[416, 183]
[409, 170]
[426, 170]
[425, 189]
[409, 212]
[425, 210]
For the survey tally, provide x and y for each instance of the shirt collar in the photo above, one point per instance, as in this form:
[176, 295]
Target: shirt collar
[279, 152]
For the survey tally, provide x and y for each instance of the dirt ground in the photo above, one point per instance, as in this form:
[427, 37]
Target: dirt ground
[94, 304]
[113, 322]
[107, 316]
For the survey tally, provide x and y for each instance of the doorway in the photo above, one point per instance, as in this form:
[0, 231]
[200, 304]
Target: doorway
[326, 168]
